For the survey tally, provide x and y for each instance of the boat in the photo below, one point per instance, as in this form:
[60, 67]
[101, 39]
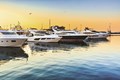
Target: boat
[92, 34]
[11, 39]
[42, 36]
[68, 36]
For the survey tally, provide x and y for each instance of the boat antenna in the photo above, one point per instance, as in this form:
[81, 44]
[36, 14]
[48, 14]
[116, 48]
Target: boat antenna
[110, 27]
[49, 23]
[69, 26]
[80, 27]
[0, 27]
[18, 23]
[109, 30]
[10, 26]
[41, 26]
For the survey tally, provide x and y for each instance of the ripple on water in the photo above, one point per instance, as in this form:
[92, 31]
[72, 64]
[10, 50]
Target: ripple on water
[99, 61]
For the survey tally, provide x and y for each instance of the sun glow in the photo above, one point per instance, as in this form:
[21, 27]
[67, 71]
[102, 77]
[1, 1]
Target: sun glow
[38, 16]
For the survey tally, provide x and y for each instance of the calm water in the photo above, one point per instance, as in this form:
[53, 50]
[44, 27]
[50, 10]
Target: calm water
[100, 60]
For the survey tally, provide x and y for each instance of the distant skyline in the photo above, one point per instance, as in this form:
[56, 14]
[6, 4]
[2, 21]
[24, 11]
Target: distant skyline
[96, 14]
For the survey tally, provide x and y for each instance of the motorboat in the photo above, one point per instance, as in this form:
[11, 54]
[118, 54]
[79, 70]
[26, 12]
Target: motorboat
[42, 36]
[11, 39]
[92, 34]
[68, 36]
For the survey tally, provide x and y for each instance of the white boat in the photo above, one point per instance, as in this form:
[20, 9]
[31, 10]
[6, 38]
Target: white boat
[68, 36]
[11, 39]
[92, 34]
[42, 36]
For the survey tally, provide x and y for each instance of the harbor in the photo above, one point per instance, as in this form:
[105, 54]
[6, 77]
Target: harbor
[59, 40]
[17, 36]
[57, 53]
[54, 61]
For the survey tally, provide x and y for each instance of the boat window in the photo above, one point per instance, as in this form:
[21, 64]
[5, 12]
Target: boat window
[71, 32]
[8, 33]
[95, 31]
[42, 32]
[88, 33]
[48, 38]
[36, 38]
[39, 35]
[43, 38]
[20, 33]
[47, 33]
[13, 40]
[30, 35]
[63, 33]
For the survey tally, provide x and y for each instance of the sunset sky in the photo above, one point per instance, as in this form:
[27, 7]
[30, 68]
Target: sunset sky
[96, 14]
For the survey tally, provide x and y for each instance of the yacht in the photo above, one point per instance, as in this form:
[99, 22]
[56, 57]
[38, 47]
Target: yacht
[42, 36]
[92, 34]
[68, 36]
[11, 39]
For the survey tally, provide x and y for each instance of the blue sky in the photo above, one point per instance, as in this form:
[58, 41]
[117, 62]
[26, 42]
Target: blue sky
[71, 5]
[88, 12]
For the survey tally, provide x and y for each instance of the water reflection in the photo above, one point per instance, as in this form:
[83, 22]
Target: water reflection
[94, 42]
[53, 46]
[62, 46]
[7, 54]
[98, 40]
[97, 61]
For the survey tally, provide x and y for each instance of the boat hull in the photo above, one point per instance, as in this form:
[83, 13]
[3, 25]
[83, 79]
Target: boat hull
[73, 39]
[12, 42]
[98, 36]
[46, 40]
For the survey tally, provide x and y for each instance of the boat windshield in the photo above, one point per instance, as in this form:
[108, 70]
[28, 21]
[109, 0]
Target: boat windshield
[8, 33]
[42, 33]
[71, 32]
[68, 32]
[39, 34]
[64, 33]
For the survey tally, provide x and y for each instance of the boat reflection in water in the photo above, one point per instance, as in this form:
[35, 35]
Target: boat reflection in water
[7, 54]
[54, 46]
[62, 46]
[97, 40]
